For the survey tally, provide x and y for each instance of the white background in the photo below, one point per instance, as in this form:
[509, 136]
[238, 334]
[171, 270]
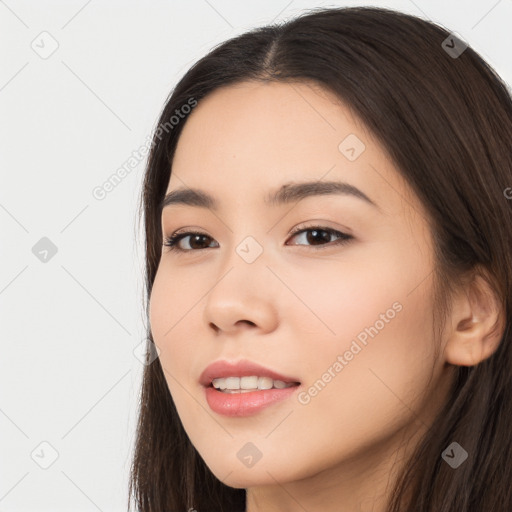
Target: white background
[69, 326]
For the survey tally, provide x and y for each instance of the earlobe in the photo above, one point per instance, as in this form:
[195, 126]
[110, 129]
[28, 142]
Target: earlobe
[477, 324]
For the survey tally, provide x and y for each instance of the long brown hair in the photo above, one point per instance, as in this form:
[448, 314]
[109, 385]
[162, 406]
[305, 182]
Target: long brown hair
[445, 119]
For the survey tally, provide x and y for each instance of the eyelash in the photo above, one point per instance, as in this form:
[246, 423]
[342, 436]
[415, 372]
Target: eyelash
[172, 241]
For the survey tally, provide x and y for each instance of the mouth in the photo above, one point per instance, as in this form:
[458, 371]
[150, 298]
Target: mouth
[247, 395]
[248, 384]
[244, 376]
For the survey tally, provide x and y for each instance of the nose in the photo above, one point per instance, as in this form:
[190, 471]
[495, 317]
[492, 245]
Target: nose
[243, 297]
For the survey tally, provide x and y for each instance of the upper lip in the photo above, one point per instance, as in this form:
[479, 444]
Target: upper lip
[243, 368]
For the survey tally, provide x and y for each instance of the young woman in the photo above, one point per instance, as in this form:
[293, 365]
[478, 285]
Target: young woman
[328, 223]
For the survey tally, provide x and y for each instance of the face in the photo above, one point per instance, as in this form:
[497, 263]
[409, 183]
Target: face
[332, 289]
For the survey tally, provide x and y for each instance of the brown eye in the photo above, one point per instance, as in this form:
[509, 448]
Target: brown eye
[318, 235]
[196, 241]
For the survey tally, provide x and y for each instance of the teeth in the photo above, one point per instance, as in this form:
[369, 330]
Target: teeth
[244, 384]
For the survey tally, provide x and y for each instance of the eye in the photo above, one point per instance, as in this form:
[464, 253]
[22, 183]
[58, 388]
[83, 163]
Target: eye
[196, 239]
[318, 236]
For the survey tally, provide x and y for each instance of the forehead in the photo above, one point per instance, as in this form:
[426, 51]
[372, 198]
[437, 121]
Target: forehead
[292, 118]
[252, 137]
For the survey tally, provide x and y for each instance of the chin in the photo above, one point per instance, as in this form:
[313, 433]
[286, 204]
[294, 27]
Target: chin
[262, 473]
[243, 479]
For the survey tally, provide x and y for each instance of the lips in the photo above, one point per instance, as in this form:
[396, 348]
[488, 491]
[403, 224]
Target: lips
[243, 368]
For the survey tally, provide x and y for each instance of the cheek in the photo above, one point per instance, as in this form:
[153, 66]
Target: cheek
[368, 380]
[338, 301]
[372, 397]
[170, 309]
[376, 294]
[379, 322]
[172, 301]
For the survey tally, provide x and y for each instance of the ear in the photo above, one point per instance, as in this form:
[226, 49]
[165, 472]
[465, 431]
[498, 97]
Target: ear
[477, 324]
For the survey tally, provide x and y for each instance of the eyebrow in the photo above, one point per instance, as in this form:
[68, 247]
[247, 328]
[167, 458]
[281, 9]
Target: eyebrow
[287, 193]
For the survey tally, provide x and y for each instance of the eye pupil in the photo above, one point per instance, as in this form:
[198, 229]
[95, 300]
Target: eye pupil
[313, 237]
[196, 238]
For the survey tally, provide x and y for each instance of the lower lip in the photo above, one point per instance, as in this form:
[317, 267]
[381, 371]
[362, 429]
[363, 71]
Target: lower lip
[245, 404]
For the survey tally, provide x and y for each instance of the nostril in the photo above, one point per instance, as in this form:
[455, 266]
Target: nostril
[247, 322]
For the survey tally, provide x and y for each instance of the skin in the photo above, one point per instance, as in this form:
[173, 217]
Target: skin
[299, 306]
